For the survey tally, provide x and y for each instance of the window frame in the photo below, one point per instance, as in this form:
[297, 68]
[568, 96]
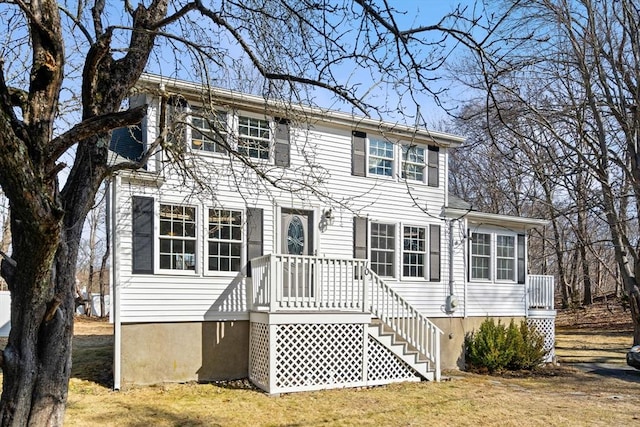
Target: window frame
[425, 252]
[370, 156]
[375, 249]
[208, 118]
[231, 241]
[405, 149]
[512, 258]
[270, 140]
[474, 255]
[513, 255]
[159, 237]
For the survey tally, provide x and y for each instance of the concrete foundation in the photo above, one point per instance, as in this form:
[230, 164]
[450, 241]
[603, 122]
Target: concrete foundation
[154, 353]
[455, 330]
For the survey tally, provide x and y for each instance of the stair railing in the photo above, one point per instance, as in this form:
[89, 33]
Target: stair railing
[407, 322]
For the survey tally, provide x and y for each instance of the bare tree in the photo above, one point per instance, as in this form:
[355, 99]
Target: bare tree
[575, 74]
[84, 60]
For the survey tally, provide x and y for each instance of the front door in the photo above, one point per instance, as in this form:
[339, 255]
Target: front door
[297, 239]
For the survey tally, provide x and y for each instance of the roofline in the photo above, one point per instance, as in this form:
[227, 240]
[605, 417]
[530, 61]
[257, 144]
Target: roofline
[163, 84]
[496, 219]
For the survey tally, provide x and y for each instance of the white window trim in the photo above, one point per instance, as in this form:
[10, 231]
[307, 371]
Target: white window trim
[396, 262]
[205, 242]
[235, 127]
[156, 256]
[394, 160]
[514, 259]
[229, 121]
[493, 264]
[491, 256]
[424, 163]
[425, 253]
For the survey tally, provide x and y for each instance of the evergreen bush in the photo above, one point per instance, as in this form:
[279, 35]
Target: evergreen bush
[496, 347]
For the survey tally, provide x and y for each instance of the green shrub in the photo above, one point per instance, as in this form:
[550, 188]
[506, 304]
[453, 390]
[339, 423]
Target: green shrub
[530, 352]
[495, 347]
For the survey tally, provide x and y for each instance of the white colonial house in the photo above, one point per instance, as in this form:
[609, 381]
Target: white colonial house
[368, 272]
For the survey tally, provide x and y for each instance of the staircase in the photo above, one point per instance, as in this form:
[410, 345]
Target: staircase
[319, 323]
[401, 349]
[410, 329]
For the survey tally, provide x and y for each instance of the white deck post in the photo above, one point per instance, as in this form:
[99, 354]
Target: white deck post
[273, 283]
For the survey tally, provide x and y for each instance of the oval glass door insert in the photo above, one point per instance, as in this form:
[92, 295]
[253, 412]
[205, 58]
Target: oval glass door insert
[295, 236]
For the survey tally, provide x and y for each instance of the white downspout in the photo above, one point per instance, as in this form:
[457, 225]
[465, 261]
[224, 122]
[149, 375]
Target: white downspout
[115, 282]
[452, 302]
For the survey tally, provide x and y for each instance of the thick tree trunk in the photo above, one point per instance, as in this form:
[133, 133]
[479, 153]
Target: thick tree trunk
[36, 367]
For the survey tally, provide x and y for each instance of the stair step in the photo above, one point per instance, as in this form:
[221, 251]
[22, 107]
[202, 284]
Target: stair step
[402, 350]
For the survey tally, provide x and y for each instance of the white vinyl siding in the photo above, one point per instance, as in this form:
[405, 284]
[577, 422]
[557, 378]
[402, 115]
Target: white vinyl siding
[206, 295]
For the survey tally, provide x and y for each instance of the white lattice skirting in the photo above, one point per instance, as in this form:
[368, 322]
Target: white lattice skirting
[311, 356]
[546, 326]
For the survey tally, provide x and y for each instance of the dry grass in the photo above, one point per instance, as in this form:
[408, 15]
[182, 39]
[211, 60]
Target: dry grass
[563, 396]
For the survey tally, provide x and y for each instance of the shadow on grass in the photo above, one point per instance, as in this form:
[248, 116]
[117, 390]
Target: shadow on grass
[606, 370]
[150, 415]
[93, 359]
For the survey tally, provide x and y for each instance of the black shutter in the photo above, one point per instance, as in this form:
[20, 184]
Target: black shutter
[360, 225]
[282, 149]
[142, 235]
[358, 153]
[128, 142]
[434, 253]
[433, 163]
[254, 236]
[522, 271]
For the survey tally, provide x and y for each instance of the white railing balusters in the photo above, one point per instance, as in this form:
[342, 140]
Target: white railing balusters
[540, 292]
[314, 283]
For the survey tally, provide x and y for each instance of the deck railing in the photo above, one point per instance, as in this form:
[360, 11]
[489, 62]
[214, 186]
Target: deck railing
[285, 282]
[295, 282]
[540, 292]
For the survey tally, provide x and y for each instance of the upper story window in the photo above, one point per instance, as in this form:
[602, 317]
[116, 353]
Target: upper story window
[381, 154]
[376, 156]
[177, 237]
[413, 162]
[224, 240]
[383, 249]
[209, 131]
[480, 256]
[254, 137]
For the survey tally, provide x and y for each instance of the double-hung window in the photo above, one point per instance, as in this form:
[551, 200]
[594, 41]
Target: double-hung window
[480, 256]
[224, 240]
[414, 251]
[383, 249]
[209, 131]
[177, 237]
[380, 157]
[254, 137]
[505, 257]
[413, 162]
